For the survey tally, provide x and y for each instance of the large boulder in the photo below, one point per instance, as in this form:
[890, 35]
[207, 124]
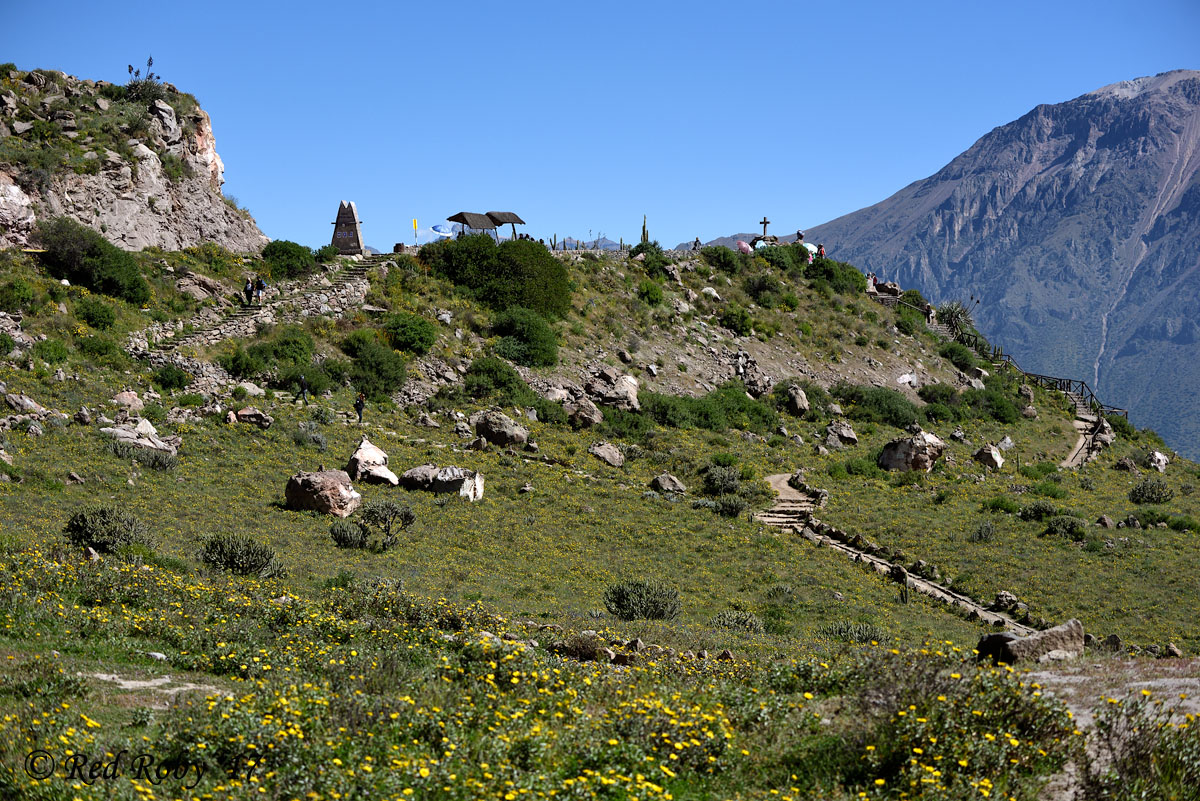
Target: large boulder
[1059, 643]
[989, 456]
[839, 434]
[141, 434]
[500, 429]
[918, 452]
[129, 399]
[431, 478]
[665, 482]
[369, 463]
[1159, 461]
[583, 413]
[797, 402]
[609, 387]
[326, 491]
[607, 453]
[252, 416]
[22, 403]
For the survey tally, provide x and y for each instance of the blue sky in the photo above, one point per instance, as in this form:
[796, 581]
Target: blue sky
[583, 117]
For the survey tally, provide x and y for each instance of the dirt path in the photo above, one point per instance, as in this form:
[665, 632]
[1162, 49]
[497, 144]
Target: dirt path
[793, 510]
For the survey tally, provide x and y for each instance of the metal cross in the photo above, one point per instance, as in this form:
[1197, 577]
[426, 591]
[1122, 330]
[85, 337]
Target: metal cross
[764, 223]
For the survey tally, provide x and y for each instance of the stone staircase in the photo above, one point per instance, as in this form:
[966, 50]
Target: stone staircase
[241, 320]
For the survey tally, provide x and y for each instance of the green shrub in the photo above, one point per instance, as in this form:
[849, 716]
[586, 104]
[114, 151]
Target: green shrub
[737, 620]
[959, 355]
[1048, 489]
[348, 534]
[326, 254]
[650, 292]
[288, 259]
[939, 393]
[99, 348]
[1038, 510]
[518, 272]
[490, 377]
[323, 415]
[939, 413]
[15, 295]
[730, 505]
[106, 528]
[525, 338]
[630, 426]
[50, 350]
[239, 554]
[991, 403]
[156, 460]
[859, 633]
[1038, 470]
[876, 404]
[909, 323]
[154, 412]
[983, 532]
[789, 301]
[387, 518]
[169, 377]
[1072, 528]
[1151, 490]
[843, 278]
[191, 400]
[1002, 503]
[358, 340]
[241, 364]
[84, 257]
[7, 344]
[865, 467]
[1121, 426]
[409, 332]
[377, 371]
[724, 259]
[720, 480]
[289, 379]
[642, 600]
[737, 320]
[762, 287]
[307, 435]
[95, 312]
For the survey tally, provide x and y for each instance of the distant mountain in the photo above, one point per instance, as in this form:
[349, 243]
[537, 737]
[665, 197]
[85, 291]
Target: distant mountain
[1079, 226]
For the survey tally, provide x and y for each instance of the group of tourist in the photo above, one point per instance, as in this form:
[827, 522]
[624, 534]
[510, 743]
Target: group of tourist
[253, 290]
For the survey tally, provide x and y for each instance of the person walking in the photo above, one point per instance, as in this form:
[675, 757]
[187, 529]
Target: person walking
[696, 244]
[360, 403]
[248, 291]
[259, 287]
[302, 394]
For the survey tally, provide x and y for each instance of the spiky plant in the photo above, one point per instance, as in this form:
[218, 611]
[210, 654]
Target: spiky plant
[956, 316]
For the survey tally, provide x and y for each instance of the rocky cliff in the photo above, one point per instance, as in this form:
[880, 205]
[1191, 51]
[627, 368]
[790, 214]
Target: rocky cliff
[140, 167]
[1079, 226]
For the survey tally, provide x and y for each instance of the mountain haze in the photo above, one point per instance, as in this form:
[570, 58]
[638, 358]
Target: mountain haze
[1079, 226]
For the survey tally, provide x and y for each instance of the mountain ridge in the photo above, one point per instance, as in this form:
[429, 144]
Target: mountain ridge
[1077, 224]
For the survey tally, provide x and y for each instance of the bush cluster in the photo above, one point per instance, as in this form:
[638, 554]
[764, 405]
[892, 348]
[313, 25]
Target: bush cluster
[288, 259]
[170, 377]
[650, 292]
[95, 312]
[724, 259]
[642, 600]
[84, 257]
[737, 620]
[240, 554]
[959, 355]
[525, 338]
[106, 528]
[876, 404]
[15, 295]
[737, 320]
[51, 351]
[945, 403]
[409, 332]
[1151, 490]
[518, 272]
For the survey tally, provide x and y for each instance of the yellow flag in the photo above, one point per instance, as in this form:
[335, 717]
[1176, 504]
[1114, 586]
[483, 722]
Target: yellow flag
[414, 223]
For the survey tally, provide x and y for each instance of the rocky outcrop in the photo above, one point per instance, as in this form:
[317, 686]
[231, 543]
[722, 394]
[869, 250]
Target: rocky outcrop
[839, 434]
[431, 478]
[142, 434]
[608, 387]
[665, 482]
[582, 413]
[1056, 644]
[797, 402]
[327, 491]
[500, 429]
[1158, 461]
[251, 416]
[163, 188]
[918, 452]
[369, 463]
[607, 453]
[989, 456]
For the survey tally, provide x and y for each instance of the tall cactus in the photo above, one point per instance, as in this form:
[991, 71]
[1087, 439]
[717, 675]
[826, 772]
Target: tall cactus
[645, 234]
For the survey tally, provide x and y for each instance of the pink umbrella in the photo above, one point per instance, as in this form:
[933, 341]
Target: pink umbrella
[743, 247]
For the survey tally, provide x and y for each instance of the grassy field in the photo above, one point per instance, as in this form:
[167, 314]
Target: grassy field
[363, 674]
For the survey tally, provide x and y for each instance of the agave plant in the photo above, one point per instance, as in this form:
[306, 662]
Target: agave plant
[956, 316]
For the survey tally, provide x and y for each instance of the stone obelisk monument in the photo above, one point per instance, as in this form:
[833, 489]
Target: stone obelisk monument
[347, 230]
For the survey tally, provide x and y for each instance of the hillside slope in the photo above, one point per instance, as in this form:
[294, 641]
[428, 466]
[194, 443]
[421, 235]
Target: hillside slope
[1079, 225]
[141, 169]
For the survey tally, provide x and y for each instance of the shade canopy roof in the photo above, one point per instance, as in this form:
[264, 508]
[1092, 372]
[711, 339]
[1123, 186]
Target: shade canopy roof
[504, 218]
[472, 220]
